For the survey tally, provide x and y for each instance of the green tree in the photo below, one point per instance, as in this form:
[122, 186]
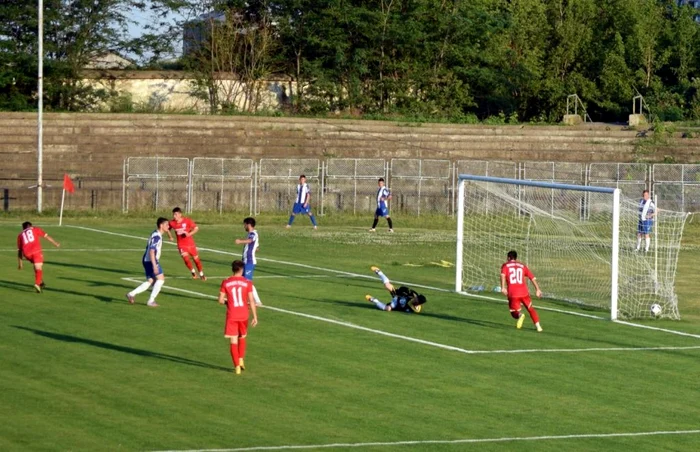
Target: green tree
[75, 31]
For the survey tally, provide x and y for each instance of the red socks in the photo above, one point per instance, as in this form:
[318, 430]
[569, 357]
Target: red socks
[533, 314]
[198, 263]
[187, 262]
[241, 347]
[234, 354]
[38, 276]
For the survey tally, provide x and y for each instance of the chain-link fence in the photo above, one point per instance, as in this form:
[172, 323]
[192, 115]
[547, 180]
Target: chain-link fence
[223, 184]
[418, 186]
[278, 180]
[488, 168]
[557, 172]
[421, 186]
[151, 183]
[496, 168]
[351, 184]
[677, 186]
[630, 178]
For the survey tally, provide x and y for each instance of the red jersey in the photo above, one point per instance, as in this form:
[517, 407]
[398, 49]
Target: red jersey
[185, 225]
[515, 273]
[237, 290]
[29, 240]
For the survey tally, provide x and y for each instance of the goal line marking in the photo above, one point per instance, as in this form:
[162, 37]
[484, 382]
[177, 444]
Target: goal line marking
[448, 441]
[431, 343]
[438, 289]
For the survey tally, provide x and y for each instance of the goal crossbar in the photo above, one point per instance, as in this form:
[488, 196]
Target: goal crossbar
[535, 183]
[615, 204]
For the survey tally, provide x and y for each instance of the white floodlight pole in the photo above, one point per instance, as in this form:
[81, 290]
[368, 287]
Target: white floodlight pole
[40, 116]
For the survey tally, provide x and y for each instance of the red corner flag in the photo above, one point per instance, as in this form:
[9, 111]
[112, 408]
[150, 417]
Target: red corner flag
[68, 184]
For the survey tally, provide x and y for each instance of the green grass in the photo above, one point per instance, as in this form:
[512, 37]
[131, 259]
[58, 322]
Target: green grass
[80, 369]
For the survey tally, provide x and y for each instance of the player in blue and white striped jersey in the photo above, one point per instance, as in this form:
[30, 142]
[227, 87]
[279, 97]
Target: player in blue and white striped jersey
[383, 195]
[647, 212]
[301, 203]
[251, 242]
[151, 264]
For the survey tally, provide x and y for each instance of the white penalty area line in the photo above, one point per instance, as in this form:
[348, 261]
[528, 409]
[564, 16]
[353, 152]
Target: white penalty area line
[431, 343]
[448, 441]
[437, 289]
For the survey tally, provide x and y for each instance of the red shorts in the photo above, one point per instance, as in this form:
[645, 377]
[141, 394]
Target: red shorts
[36, 258]
[236, 328]
[191, 250]
[514, 303]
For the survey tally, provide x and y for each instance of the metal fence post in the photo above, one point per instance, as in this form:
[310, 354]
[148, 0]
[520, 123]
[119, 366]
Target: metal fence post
[125, 207]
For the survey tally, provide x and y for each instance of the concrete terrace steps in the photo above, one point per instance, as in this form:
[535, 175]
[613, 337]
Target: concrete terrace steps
[278, 149]
[301, 124]
[100, 141]
[54, 136]
[96, 144]
[260, 128]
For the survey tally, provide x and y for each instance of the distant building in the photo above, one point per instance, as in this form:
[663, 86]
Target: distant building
[197, 31]
[693, 4]
[108, 60]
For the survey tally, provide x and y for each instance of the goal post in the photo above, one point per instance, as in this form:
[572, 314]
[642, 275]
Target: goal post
[579, 240]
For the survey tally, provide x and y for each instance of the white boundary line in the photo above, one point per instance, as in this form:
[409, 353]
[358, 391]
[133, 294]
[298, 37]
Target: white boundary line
[271, 277]
[447, 441]
[637, 325]
[656, 328]
[71, 250]
[431, 343]
[327, 320]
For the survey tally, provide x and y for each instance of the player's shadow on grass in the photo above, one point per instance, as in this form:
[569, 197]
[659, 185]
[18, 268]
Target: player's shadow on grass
[28, 288]
[327, 278]
[368, 305]
[127, 287]
[93, 268]
[572, 306]
[121, 348]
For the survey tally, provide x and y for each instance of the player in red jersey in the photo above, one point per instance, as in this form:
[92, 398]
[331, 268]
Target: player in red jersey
[514, 286]
[29, 247]
[237, 293]
[184, 229]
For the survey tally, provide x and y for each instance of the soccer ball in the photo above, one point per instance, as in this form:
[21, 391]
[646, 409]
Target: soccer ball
[655, 309]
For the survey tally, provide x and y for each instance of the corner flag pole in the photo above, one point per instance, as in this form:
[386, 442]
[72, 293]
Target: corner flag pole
[67, 187]
[63, 200]
[40, 115]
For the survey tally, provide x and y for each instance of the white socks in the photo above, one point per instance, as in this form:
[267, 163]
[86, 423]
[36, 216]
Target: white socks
[382, 276]
[142, 288]
[256, 297]
[156, 289]
[381, 306]
[647, 242]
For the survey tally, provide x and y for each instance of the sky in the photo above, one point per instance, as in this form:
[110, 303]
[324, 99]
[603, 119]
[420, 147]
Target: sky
[141, 19]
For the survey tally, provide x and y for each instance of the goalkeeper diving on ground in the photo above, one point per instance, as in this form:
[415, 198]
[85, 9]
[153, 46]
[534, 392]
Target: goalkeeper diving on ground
[403, 299]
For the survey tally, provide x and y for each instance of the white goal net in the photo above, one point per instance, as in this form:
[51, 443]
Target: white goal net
[568, 237]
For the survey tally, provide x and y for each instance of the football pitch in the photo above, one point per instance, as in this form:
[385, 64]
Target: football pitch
[81, 369]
